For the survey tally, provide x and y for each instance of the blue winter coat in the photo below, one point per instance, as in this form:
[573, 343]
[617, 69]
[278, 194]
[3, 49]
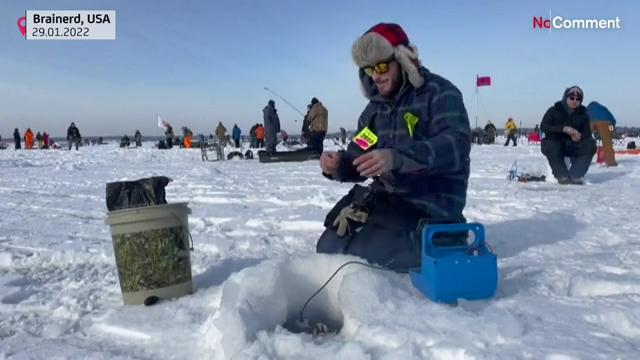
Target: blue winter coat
[599, 112]
[236, 133]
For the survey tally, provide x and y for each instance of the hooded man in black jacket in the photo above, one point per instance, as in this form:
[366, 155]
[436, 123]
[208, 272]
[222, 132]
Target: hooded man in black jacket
[271, 126]
[567, 133]
[17, 139]
[73, 136]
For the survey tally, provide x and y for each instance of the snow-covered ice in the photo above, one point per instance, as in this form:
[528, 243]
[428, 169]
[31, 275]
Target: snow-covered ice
[568, 256]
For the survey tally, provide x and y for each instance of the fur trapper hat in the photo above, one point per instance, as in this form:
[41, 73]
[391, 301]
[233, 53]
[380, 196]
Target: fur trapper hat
[387, 41]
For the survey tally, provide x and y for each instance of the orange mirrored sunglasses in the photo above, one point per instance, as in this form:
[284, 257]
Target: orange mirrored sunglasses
[379, 68]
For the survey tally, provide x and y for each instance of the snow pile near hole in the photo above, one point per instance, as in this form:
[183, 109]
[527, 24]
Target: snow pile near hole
[367, 303]
[257, 301]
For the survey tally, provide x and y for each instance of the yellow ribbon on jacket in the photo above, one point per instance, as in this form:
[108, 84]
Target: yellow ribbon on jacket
[411, 121]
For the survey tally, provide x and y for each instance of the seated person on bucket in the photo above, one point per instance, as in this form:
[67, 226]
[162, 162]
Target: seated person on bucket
[567, 132]
[414, 140]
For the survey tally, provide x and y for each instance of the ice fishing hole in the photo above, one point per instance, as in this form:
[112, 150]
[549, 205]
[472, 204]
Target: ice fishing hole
[303, 280]
[269, 296]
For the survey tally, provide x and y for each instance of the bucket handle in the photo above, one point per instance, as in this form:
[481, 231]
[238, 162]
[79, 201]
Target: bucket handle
[479, 243]
[186, 228]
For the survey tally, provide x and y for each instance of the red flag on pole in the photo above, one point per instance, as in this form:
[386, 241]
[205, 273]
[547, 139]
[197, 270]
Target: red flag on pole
[483, 81]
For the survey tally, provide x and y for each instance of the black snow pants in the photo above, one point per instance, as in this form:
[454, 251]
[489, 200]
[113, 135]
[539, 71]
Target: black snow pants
[270, 141]
[315, 141]
[390, 237]
[511, 138]
[555, 149]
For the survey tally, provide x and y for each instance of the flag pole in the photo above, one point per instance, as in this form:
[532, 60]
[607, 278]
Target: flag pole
[477, 102]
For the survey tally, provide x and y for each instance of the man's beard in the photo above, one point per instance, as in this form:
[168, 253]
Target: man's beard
[396, 85]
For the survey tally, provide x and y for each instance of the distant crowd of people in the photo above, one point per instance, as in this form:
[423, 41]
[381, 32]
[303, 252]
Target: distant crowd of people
[43, 140]
[261, 135]
[488, 136]
[125, 141]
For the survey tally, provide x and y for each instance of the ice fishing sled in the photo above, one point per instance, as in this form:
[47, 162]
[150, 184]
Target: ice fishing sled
[288, 156]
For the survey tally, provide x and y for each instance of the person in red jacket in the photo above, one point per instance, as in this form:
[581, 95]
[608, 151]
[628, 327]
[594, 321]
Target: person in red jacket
[45, 140]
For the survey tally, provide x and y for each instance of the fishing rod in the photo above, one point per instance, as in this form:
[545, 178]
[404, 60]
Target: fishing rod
[285, 101]
[294, 108]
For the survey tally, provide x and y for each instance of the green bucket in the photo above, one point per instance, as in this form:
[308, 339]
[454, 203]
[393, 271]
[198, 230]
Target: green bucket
[152, 251]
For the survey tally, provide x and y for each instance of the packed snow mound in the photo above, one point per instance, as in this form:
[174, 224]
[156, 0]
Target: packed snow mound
[364, 302]
[262, 298]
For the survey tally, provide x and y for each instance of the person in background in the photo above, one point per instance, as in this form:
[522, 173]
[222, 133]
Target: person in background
[476, 136]
[125, 141]
[16, 139]
[252, 137]
[567, 133]
[202, 141]
[28, 139]
[168, 133]
[45, 140]
[510, 132]
[73, 136]
[284, 136]
[259, 136]
[414, 141]
[39, 140]
[137, 137]
[187, 134]
[236, 133]
[343, 136]
[271, 126]
[318, 123]
[603, 123]
[490, 132]
[305, 125]
[221, 133]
